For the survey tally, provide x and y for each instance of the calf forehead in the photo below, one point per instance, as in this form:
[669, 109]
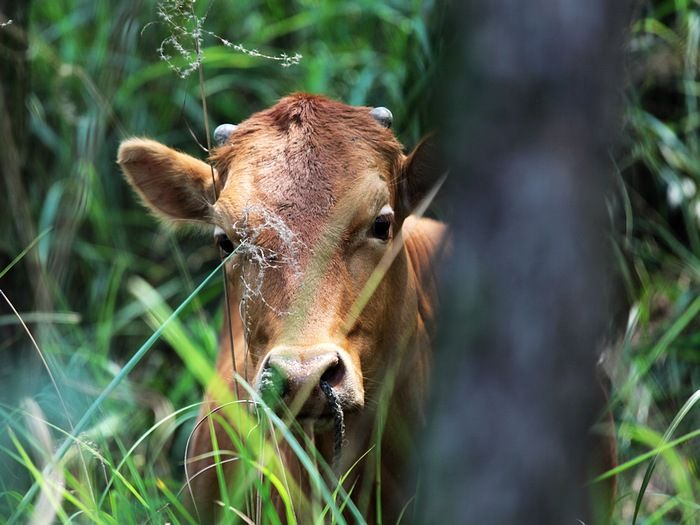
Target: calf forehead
[300, 157]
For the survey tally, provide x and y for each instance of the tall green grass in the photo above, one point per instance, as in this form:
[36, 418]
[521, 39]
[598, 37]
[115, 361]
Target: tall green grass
[654, 368]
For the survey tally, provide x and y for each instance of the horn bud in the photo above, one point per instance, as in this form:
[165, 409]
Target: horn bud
[383, 116]
[223, 132]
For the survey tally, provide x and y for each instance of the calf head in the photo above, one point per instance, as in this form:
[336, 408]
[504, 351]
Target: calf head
[311, 194]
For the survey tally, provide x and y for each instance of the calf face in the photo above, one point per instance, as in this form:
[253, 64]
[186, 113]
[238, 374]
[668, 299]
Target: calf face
[312, 195]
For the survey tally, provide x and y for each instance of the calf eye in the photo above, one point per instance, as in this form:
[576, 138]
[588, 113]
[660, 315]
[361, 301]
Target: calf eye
[225, 244]
[381, 228]
[222, 241]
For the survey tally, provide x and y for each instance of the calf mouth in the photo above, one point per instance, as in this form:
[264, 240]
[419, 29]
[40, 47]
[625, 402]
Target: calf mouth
[326, 415]
[318, 424]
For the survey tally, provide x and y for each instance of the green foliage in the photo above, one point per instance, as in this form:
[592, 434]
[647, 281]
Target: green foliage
[655, 371]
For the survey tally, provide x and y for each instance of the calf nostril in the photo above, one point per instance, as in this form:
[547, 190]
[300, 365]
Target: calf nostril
[334, 374]
[273, 385]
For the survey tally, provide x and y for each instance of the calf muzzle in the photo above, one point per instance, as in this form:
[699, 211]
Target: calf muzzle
[291, 377]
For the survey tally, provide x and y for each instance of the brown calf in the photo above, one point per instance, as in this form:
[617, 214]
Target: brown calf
[317, 196]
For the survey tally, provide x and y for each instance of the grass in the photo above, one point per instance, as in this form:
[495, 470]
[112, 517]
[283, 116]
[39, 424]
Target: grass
[654, 368]
[96, 410]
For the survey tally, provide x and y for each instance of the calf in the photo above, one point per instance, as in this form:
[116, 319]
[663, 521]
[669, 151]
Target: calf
[331, 290]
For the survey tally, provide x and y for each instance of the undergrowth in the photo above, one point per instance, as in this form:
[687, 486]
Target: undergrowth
[654, 366]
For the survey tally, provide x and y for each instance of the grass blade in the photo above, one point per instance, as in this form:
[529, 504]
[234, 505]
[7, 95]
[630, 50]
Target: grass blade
[667, 436]
[24, 252]
[125, 371]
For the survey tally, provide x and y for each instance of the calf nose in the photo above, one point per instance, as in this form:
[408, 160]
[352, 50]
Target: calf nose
[294, 375]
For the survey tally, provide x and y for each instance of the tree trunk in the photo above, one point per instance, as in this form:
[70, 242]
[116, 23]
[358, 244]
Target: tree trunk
[529, 104]
[19, 230]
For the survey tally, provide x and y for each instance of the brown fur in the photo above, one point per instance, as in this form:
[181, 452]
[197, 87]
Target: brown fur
[325, 170]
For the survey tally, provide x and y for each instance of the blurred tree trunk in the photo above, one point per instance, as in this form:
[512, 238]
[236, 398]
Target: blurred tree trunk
[17, 226]
[19, 230]
[530, 105]
[13, 90]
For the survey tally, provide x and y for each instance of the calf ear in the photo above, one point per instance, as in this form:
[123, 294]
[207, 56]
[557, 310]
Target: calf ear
[423, 171]
[172, 184]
